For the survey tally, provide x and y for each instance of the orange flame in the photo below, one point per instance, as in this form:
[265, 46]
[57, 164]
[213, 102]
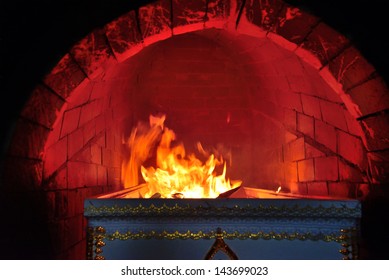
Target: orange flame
[176, 174]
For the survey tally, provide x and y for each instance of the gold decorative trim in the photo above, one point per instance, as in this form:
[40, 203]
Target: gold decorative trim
[212, 234]
[235, 210]
[220, 245]
[97, 235]
[350, 244]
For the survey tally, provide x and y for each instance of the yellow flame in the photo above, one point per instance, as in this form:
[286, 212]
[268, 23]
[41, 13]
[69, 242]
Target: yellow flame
[176, 174]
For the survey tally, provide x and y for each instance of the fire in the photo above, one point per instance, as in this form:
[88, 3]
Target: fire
[176, 174]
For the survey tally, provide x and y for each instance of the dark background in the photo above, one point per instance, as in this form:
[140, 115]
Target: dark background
[35, 35]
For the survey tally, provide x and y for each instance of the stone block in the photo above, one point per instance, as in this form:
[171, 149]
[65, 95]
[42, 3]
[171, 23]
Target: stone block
[342, 189]
[28, 140]
[306, 170]
[42, 107]
[317, 189]
[311, 106]
[218, 12]
[297, 149]
[325, 43]
[379, 166]
[371, 96]
[326, 169]
[305, 125]
[333, 114]
[64, 77]
[55, 156]
[263, 14]
[350, 68]
[124, 36]
[294, 24]
[312, 152]
[75, 142]
[350, 173]
[376, 130]
[21, 174]
[93, 53]
[70, 121]
[188, 15]
[351, 148]
[155, 21]
[326, 135]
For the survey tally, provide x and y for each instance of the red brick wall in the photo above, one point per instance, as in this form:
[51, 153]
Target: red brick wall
[295, 102]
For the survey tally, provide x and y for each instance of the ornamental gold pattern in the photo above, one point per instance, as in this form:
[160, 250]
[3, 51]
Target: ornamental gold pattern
[213, 234]
[236, 210]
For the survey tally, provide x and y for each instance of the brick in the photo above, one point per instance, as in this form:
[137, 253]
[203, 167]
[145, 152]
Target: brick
[289, 137]
[96, 156]
[114, 177]
[353, 126]
[291, 172]
[123, 36]
[91, 175]
[326, 135]
[311, 106]
[306, 170]
[376, 130]
[294, 24]
[70, 121]
[28, 140]
[265, 14]
[58, 180]
[42, 107]
[305, 125]
[80, 95]
[379, 166]
[350, 173]
[84, 155]
[76, 174]
[317, 189]
[326, 169]
[312, 152]
[89, 111]
[300, 83]
[290, 119]
[342, 189]
[333, 114]
[298, 188]
[101, 175]
[65, 77]
[297, 149]
[325, 42]
[188, 13]
[289, 100]
[350, 68]
[217, 13]
[75, 142]
[351, 148]
[155, 21]
[55, 157]
[92, 52]
[371, 96]
[23, 174]
[89, 131]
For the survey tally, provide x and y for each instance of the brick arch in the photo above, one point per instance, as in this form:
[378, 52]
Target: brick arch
[331, 54]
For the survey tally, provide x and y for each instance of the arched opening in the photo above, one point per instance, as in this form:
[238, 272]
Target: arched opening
[285, 93]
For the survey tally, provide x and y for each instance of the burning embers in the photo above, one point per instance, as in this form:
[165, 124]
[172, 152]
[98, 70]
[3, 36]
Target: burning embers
[176, 175]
